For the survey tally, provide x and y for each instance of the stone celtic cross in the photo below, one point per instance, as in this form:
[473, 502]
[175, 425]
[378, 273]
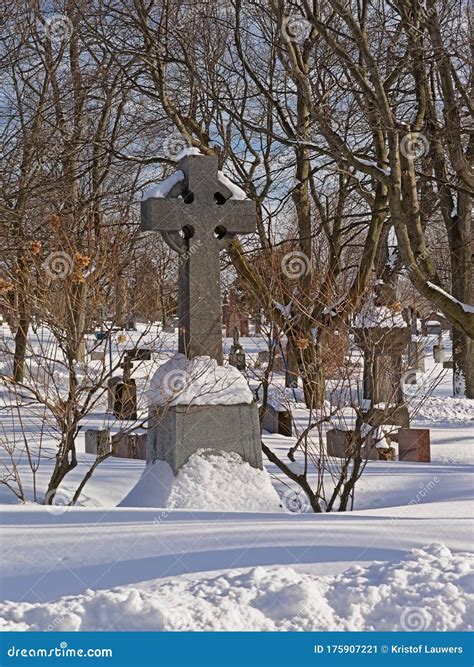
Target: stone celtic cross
[197, 218]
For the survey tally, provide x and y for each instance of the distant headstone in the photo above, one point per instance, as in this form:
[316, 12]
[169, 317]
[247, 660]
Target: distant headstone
[122, 393]
[122, 398]
[97, 355]
[129, 445]
[383, 348]
[432, 328]
[263, 357]
[277, 419]
[258, 324]
[97, 442]
[414, 445]
[235, 316]
[139, 354]
[237, 353]
[448, 364]
[340, 444]
[416, 355]
[438, 353]
[171, 326]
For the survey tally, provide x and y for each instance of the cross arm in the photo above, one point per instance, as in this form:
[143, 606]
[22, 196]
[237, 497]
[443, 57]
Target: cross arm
[240, 216]
[162, 215]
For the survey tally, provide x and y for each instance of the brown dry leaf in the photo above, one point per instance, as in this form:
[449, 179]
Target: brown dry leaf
[5, 286]
[36, 247]
[55, 222]
[302, 343]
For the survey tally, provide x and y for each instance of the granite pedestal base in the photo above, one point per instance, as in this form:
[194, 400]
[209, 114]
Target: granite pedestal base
[177, 432]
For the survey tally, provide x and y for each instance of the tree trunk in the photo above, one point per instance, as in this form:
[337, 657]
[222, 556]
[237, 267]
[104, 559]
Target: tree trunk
[314, 381]
[24, 318]
[462, 277]
[463, 364]
[65, 462]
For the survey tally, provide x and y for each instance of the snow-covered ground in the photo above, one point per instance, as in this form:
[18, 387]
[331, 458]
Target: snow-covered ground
[398, 561]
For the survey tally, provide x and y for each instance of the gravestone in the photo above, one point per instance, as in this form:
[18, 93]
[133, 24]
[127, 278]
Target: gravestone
[383, 337]
[258, 320]
[122, 393]
[414, 445]
[439, 352]
[416, 355]
[237, 354]
[129, 445]
[263, 357]
[340, 444]
[171, 326]
[432, 328]
[97, 442]
[235, 315]
[277, 419]
[198, 217]
[139, 354]
[97, 355]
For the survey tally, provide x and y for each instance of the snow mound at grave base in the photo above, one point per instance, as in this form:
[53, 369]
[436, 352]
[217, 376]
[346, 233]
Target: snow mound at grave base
[209, 480]
[198, 381]
[430, 589]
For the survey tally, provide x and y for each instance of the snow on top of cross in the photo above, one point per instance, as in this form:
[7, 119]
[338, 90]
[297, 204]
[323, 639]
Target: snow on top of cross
[192, 150]
[198, 381]
[162, 189]
[237, 193]
[379, 316]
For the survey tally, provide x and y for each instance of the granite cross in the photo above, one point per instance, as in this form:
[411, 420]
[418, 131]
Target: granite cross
[198, 218]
